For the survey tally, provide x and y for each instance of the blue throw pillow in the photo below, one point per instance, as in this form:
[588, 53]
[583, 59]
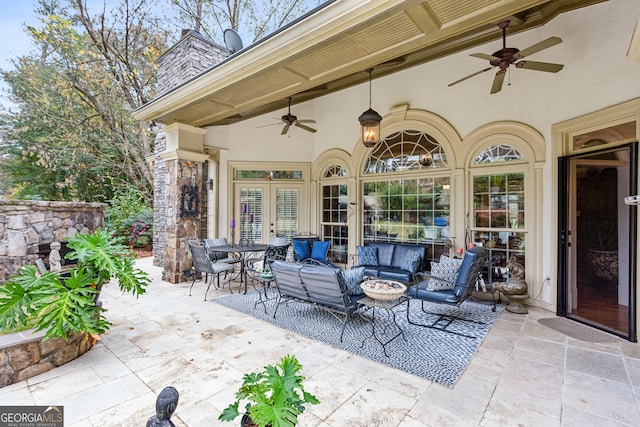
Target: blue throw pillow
[301, 249]
[319, 250]
[367, 255]
[352, 279]
[412, 261]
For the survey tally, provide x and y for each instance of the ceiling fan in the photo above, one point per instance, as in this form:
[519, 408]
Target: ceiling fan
[509, 55]
[291, 120]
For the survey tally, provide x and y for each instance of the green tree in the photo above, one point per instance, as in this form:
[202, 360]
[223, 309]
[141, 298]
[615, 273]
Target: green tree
[253, 18]
[72, 128]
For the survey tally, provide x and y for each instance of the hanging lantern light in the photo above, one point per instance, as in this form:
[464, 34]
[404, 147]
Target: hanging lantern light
[426, 159]
[370, 122]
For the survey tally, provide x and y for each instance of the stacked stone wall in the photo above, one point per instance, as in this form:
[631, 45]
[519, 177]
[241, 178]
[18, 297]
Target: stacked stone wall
[24, 355]
[25, 225]
[179, 230]
[159, 202]
[192, 55]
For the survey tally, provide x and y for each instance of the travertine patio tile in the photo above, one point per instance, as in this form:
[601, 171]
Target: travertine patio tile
[407, 421]
[373, 405]
[404, 383]
[597, 363]
[333, 387]
[633, 368]
[90, 401]
[508, 402]
[572, 417]
[513, 415]
[517, 376]
[134, 412]
[462, 405]
[545, 349]
[587, 393]
[535, 378]
[53, 390]
[16, 394]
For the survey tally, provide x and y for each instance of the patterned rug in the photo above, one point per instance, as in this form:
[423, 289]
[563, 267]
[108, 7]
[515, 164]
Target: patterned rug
[436, 355]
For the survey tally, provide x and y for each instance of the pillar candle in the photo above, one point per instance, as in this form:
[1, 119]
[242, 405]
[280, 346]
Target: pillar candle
[233, 223]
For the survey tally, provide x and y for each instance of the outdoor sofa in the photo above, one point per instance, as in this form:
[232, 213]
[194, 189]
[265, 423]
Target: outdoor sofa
[332, 289]
[394, 261]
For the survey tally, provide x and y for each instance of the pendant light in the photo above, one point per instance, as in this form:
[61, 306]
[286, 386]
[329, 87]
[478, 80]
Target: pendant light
[370, 122]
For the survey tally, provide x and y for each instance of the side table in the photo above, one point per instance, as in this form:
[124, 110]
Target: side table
[387, 306]
[265, 281]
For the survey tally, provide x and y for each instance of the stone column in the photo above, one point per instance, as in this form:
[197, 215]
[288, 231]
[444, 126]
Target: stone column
[184, 160]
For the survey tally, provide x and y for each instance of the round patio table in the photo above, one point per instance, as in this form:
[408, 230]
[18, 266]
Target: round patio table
[242, 250]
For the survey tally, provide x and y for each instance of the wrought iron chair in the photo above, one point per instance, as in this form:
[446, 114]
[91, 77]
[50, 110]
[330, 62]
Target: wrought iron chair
[470, 271]
[203, 265]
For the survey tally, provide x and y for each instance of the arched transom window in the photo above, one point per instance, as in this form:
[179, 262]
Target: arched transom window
[404, 151]
[498, 153]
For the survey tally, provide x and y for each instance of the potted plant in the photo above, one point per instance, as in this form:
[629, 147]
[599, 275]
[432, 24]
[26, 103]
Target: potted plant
[273, 397]
[66, 302]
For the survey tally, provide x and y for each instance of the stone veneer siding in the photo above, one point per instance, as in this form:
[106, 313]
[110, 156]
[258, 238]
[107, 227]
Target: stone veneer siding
[189, 57]
[179, 230]
[27, 224]
[159, 201]
[24, 354]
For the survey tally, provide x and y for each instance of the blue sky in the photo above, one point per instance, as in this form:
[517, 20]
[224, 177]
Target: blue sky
[13, 40]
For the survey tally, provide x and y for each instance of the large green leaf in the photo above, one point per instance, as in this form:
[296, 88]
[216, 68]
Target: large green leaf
[68, 306]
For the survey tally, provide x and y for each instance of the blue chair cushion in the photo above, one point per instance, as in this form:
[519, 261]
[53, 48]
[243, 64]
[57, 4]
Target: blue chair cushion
[385, 253]
[367, 255]
[301, 249]
[412, 261]
[319, 250]
[443, 275]
[352, 279]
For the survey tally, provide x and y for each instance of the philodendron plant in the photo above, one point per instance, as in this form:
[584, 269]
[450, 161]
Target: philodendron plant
[273, 397]
[63, 303]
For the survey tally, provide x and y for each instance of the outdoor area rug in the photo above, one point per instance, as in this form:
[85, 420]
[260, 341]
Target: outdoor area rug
[438, 356]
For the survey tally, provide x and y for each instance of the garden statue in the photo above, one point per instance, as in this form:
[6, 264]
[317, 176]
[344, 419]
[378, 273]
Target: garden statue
[166, 404]
[515, 288]
[55, 260]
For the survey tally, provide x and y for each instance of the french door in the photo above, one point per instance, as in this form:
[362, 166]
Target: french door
[264, 210]
[597, 244]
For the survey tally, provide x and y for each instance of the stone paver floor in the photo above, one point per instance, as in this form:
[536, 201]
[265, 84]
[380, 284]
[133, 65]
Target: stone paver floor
[524, 374]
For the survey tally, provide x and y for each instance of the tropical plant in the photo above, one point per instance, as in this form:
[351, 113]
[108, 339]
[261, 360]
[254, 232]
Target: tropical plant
[274, 397]
[66, 302]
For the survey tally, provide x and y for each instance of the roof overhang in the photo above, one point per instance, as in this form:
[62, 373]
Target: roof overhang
[329, 50]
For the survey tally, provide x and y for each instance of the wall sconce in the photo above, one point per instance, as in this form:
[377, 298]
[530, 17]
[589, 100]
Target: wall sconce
[370, 122]
[209, 184]
[426, 159]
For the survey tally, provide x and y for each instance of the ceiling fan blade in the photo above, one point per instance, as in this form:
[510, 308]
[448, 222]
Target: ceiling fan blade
[544, 44]
[272, 124]
[306, 121]
[540, 66]
[485, 56]
[498, 80]
[307, 128]
[285, 129]
[469, 76]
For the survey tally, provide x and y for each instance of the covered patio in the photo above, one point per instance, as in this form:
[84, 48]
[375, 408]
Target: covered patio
[524, 373]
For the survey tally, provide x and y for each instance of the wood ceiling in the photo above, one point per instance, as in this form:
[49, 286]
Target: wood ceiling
[329, 50]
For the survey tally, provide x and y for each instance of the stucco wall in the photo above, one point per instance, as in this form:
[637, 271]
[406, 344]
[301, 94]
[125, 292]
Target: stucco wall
[596, 75]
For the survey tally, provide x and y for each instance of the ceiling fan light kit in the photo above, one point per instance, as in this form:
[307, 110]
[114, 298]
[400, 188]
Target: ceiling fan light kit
[292, 120]
[506, 56]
